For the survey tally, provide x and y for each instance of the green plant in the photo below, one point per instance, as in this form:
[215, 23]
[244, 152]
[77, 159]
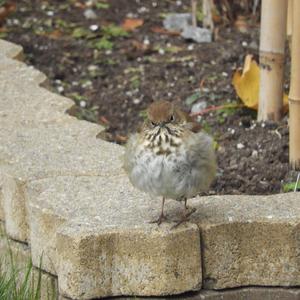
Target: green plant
[112, 31]
[102, 44]
[102, 5]
[20, 283]
[290, 187]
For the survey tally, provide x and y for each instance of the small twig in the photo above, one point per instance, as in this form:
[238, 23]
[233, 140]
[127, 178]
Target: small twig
[278, 133]
[214, 108]
[255, 4]
[194, 12]
[297, 181]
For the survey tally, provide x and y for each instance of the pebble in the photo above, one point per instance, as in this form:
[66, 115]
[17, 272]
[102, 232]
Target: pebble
[240, 146]
[177, 22]
[94, 27]
[60, 89]
[136, 101]
[92, 68]
[254, 153]
[161, 51]
[142, 9]
[50, 13]
[197, 34]
[90, 14]
[146, 42]
[82, 104]
[197, 107]
[190, 47]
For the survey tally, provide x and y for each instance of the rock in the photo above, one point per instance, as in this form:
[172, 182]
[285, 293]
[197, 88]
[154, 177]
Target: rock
[177, 22]
[90, 14]
[197, 34]
[250, 240]
[107, 227]
[199, 106]
[29, 156]
[248, 293]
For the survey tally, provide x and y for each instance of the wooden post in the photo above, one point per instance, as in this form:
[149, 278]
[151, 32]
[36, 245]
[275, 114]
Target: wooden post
[207, 7]
[194, 12]
[271, 55]
[294, 95]
[289, 24]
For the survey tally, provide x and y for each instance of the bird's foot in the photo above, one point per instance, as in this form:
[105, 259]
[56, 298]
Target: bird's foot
[185, 218]
[158, 221]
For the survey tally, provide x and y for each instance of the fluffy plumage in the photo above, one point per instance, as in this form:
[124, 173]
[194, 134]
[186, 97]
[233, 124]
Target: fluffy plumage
[167, 158]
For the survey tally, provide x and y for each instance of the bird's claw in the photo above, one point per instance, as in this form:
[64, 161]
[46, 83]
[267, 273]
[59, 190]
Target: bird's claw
[158, 221]
[184, 218]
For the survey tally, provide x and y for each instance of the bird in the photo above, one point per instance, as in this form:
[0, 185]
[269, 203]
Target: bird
[170, 157]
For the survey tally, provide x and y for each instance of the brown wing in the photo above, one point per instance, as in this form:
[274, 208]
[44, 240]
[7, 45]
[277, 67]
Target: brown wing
[191, 124]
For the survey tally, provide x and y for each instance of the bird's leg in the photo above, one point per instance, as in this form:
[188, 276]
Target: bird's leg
[185, 215]
[185, 204]
[162, 217]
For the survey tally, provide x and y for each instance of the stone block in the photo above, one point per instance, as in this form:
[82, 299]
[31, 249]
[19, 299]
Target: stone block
[100, 262]
[10, 49]
[19, 73]
[248, 293]
[28, 155]
[250, 240]
[103, 245]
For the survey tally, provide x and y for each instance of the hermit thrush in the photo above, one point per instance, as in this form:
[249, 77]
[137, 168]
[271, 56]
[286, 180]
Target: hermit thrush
[169, 157]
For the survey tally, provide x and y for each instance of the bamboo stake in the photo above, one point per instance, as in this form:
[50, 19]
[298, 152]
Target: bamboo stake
[289, 24]
[294, 95]
[271, 55]
[194, 12]
[207, 8]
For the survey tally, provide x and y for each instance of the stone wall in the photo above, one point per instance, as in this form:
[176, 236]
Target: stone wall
[65, 197]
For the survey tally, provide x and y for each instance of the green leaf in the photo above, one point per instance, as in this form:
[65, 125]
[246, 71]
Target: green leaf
[113, 31]
[3, 35]
[290, 187]
[101, 5]
[102, 44]
[191, 99]
[79, 33]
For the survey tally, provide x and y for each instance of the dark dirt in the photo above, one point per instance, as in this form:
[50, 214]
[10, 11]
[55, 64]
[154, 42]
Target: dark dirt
[113, 86]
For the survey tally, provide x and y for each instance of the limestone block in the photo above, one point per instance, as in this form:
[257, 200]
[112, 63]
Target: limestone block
[250, 240]
[19, 73]
[94, 233]
[10, 50]
[248, 293]
[48, 152]
[14, 208]
[23, 107]
[251, 293]
[98, 262]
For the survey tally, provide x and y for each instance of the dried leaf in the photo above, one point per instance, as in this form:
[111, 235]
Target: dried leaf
[241, 24]
[6, 10]
[131, 24]
[161, 30]
[55, 34]
[246, 84]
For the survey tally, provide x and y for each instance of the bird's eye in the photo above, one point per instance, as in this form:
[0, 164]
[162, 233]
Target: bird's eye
[172, 118]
